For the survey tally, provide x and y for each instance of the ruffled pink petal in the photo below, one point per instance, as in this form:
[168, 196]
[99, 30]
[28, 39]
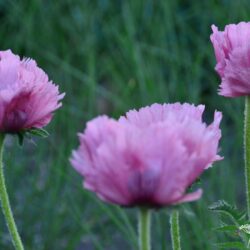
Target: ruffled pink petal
[190, 197]
[232, 51]
[27, 97]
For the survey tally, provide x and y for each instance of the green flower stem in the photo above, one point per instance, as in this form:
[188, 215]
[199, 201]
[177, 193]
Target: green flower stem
[247, 152]
[6, 204]
[175, 230]
[144, 228]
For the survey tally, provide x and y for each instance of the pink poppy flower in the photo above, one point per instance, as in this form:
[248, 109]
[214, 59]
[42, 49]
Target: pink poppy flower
[148, 157]
[27, 97]
[232, 51]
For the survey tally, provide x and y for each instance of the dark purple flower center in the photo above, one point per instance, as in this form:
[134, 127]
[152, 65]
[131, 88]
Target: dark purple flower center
[142, 185]
[16, 115]
[14, 121]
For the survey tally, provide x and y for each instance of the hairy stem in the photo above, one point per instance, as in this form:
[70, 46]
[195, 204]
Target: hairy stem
[6, 203]
[175, 230]
[144, 228]
[247, 152]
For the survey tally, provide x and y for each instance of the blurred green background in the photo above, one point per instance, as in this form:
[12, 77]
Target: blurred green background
[111, 56]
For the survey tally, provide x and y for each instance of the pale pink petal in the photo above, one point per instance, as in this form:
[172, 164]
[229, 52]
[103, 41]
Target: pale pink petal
[190, 197]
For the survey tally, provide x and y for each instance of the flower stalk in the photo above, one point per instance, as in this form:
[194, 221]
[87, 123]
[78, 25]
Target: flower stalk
[175, 230]
[6, 204]
[144, 228]
[247, 152]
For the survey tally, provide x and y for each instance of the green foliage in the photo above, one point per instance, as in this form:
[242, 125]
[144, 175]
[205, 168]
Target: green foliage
[230, 245]
[227, 228]
[232, 212]
[33, 131]
[38, 132]
[240, 229]
[245, 228]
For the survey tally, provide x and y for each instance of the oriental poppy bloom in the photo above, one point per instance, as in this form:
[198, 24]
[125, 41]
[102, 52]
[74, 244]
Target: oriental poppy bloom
[27, 97]
[148, 157]
[232, 53]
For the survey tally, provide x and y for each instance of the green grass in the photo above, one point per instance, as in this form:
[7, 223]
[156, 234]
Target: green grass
[111, 56]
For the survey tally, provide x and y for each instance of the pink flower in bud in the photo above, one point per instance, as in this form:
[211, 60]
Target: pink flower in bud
[232, 51]
[27, 97]
[148, 157]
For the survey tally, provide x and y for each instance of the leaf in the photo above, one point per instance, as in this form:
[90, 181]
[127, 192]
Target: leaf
[245, 228]
[223, 207]
[227, 228]
[27, 134]
[242, 217]
[231, 245]
[38, 132]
